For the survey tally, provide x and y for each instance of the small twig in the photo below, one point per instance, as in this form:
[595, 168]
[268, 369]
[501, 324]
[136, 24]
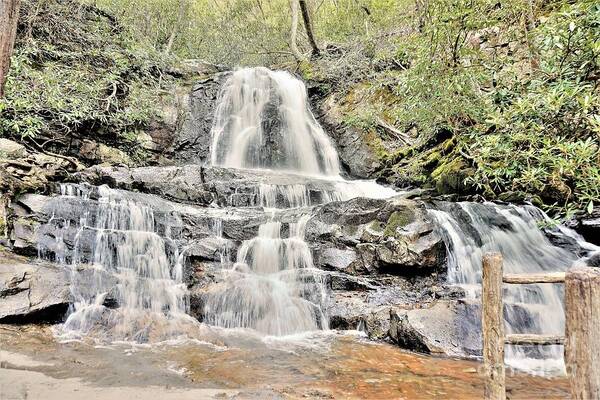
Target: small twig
[112, 95]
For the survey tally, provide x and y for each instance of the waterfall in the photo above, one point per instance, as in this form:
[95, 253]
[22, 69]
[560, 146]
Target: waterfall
[471, 229]
[263, 121]
[127, 271]
[273, 286]
[130, 267]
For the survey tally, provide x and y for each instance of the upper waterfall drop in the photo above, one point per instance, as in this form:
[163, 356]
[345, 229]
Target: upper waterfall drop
[263, 121]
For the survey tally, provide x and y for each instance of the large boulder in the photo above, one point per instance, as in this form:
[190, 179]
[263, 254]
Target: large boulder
[444, 327]
[31, 292]
[368, 236]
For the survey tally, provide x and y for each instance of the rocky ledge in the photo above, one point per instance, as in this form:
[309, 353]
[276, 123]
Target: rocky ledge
[383, 260]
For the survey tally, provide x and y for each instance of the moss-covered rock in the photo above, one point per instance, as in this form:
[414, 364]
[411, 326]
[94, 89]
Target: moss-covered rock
[398, 219]
[450, 177]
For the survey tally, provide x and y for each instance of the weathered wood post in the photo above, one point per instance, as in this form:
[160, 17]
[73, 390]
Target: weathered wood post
[493, 327]
[582, 331]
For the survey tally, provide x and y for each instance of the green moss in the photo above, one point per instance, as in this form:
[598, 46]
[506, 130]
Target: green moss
[433, 158]
[450, 176]
[399, 218]
[376, 226]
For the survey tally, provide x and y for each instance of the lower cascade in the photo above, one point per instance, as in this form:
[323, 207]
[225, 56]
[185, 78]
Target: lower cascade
[272, 287]
[132, 267]
[470, 230]
[127, 254]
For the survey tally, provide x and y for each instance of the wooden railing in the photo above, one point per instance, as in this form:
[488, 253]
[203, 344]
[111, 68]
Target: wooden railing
[582, 330]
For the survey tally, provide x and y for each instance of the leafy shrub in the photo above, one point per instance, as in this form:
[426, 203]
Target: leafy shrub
[73, 76]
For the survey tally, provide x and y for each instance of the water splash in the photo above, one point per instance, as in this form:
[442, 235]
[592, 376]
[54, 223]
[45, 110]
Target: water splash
[470, 230]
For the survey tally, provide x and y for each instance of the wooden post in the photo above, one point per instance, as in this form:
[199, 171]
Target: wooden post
[582, 331]
[493, 327]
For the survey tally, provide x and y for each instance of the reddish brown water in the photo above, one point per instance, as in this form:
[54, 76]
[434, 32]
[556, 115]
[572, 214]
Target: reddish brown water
[323, 367]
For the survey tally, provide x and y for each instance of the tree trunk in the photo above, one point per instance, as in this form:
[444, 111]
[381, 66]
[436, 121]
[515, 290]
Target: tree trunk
[308, 27]
[294, 32]
[173, 34]
[9, 15]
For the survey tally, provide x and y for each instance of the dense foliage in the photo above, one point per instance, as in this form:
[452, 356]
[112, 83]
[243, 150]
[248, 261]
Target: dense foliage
[75, 76]
[494, 97]
[235, 32]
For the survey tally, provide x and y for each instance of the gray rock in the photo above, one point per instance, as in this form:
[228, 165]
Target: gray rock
[192, 140]
[588, 225]
[338, 259]
[392, 236]
[205, 186]
[446, 327]
[33, 292]
[11, 149]
[52, 227]
[358, 158]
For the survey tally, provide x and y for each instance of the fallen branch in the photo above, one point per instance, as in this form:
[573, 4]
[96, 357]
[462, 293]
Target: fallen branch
[112, 96]
[49, 153]
[395, 132]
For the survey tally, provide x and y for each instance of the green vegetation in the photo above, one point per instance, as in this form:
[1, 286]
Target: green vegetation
[465, 96]
[74, 76]
[499, 98]
[244, 32]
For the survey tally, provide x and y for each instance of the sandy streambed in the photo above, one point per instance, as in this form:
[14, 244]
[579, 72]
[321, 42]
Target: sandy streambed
[239, 365]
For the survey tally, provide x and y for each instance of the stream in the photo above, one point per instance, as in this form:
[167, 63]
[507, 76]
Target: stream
[244, 291]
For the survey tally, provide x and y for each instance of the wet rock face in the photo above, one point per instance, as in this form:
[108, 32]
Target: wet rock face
[588, 225]
[192, 140]
[378, 256]
[38, 219]
[357, 157]
[203, 186]
[366, 236]
[31, 292]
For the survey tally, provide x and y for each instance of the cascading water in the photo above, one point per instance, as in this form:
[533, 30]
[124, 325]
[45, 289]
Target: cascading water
[273, 286]
[129, 285]
[263, 122]
[131, 268]
[472, 229]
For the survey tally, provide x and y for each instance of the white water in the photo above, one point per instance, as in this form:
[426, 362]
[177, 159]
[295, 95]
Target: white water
[131, 267]
[473, 229]
[263, 122]
[273, 286]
